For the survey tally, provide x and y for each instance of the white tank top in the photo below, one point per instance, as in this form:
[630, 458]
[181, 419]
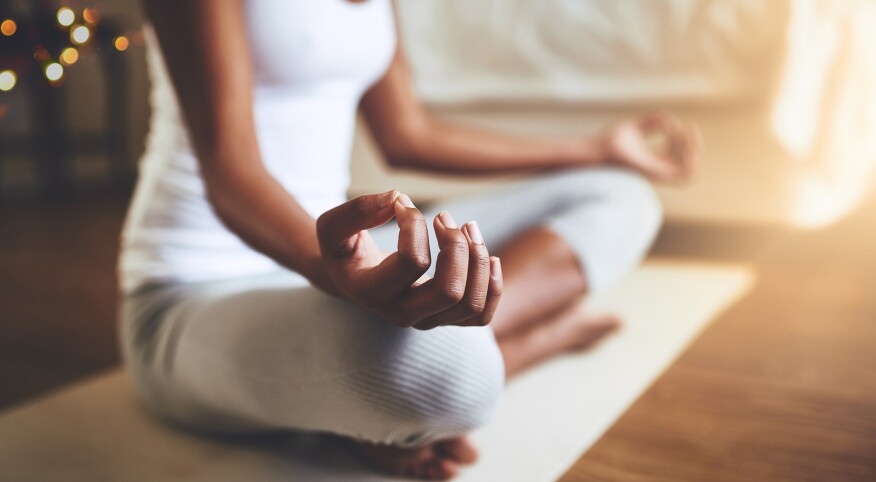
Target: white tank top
[312, 61]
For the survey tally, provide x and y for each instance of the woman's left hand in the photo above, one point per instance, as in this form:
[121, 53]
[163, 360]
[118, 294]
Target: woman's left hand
[657, 145]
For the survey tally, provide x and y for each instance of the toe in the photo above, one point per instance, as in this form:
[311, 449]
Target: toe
[609, 322]
[594, 329]
[440, 469]
[459, 450]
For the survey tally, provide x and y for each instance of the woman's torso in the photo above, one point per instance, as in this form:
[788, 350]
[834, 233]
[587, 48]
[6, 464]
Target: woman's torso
[312, 61]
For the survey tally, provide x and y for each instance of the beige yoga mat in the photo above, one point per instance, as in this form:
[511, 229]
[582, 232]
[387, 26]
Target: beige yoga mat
[96, 431]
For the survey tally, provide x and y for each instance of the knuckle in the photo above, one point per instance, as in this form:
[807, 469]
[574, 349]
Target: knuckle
[455, 239]
[458, 247]
[496, 291]
[481, 260]
[418, 223]
[451, 293]
[454, 253]
[472, 307]
[416, 262]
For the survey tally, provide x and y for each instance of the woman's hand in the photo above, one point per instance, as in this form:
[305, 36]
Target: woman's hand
[467, 284]
[657, 145]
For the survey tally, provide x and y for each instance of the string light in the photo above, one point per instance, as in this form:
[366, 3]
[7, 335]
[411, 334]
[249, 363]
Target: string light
[69, 56]
[80, 25]
[54, 71]
[66, 16]
[121, 43]
[8, 27]
[79, 34]
[7, 80]
[91, 16]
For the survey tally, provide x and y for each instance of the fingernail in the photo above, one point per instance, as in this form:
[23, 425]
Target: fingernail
[406, 201]
[475, 232]
[447, 220]
[495, 268]
[385, 200]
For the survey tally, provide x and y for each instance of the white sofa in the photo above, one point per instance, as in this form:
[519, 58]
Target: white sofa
[780, 89]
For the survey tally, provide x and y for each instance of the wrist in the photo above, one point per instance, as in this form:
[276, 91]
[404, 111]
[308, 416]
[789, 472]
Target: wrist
[315, 270]
[585, 152]
[601, 150]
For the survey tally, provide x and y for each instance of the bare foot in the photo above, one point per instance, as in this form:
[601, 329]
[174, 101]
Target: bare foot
[437, 461]
[572, 330]
[584, 330]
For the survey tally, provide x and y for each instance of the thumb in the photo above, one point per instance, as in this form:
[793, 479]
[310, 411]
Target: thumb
[337, 229]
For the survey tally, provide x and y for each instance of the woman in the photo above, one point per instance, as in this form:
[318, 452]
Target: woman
[256, 299]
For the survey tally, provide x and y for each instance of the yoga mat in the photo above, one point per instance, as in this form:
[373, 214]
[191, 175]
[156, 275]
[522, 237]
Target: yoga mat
[97, 431]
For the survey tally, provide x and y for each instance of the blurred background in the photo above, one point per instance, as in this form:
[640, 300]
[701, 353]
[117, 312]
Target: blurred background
[783, 92]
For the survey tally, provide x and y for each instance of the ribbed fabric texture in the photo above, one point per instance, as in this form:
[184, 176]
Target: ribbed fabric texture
[271, 352]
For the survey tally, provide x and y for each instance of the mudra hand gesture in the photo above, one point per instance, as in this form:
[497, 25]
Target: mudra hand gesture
[464, 291]
[657, 145]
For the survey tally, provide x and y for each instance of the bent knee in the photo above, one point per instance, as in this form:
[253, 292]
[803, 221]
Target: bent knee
[610, 224]
[450, 386]
[627, 199]
[636, 197]
[626, 193]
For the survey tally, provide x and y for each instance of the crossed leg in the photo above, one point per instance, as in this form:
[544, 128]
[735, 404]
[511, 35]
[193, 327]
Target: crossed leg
[560, 237]
[274, 353]
[541, 317]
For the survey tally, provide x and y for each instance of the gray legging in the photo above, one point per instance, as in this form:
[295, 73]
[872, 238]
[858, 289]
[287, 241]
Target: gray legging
[271, 352]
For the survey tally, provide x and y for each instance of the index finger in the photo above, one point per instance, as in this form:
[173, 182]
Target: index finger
[337, 228]
[398, 272]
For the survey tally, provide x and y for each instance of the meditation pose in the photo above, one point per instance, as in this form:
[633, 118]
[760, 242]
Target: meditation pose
[256, 297]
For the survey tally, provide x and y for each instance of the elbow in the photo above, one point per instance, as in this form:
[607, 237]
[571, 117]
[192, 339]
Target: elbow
[223, 188]
[400, 157]
[218, 198]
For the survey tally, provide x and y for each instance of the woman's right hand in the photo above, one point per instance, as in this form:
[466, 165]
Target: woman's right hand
[657, 145]
[467, 285]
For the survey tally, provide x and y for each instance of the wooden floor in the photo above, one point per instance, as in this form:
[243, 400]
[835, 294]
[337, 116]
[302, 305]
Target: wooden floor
[781, 387]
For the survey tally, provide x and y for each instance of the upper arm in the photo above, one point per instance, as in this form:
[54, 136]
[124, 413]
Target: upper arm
[394, 114]
[206, 51]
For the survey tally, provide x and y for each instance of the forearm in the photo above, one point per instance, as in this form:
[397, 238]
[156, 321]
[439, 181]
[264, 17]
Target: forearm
[448, 148]
[254, 205]
[409, 137]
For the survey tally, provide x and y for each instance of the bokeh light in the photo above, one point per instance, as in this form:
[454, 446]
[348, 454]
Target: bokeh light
[69, 56]
[80, 34]
[121, 43]
[8, 27]
[91, 16]
[66, 16]
[54, 71]
[7, 80]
